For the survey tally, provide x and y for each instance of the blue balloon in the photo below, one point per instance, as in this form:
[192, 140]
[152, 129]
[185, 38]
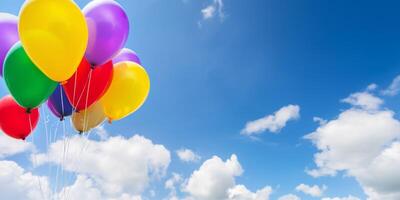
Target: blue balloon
[59, 104]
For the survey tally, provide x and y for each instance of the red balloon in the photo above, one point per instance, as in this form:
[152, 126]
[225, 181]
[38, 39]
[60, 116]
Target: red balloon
[15, 120]
[88, 84]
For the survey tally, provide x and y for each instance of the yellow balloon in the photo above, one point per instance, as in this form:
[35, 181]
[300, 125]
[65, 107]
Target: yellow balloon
[128, 90]
[85, 120]
[54, 34]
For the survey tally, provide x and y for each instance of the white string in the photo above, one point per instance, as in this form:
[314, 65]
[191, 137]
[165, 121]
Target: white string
[85, 120]
[34, 156]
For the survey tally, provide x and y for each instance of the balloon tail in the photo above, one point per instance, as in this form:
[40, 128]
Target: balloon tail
[110, 120]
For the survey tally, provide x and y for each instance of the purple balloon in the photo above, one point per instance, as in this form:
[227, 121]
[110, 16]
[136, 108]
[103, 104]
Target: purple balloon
[8, 35]
[58, 103]
[127, 55]
[108, 30]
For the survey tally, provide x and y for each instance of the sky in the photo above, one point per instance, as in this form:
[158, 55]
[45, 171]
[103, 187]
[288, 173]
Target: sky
[249, 100]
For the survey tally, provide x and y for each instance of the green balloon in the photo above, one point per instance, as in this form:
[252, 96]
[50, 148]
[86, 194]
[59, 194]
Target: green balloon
[27, 84]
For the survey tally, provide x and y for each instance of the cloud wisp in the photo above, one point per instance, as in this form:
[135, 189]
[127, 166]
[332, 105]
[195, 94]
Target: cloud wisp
[274, 122]
[187, 155]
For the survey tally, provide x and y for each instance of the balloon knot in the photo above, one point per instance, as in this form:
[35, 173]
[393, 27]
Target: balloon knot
[62, 118]
[29, 110]
[64, 82]
[80, 132]
[92, 66]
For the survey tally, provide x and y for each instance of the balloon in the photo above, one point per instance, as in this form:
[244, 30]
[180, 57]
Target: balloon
[88, 84]
[8, 35]
[108, 30]
[15, 121]
[55, 35]
[85, 120]
[128, 91]
[58, 103]
[27, 84]
[127, 55]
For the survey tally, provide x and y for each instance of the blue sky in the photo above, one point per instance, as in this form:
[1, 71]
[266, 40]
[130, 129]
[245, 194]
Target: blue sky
[212, 74]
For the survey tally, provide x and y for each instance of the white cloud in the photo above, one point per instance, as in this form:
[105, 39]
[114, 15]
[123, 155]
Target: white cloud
[362, 143]
[320, 121]
[273, 123]
[171, 185]
[341, 198]
[215, 180]
[17, 184]
[372, 87]
[85, 188]
[289, 197]
[380, 178]
[240, 192]
[117, 165]
[215, 8]
[314, 191]
[10, 146]
[394, 87]
[354, 139]
[188, 155]
[101, 132]
[364, 100]
[208, 12]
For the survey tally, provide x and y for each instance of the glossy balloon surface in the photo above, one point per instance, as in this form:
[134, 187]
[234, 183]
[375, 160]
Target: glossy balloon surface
[54, 34]
[128, 91]
[108, 30]
[88, 84]
[15, 121]
[26, 83]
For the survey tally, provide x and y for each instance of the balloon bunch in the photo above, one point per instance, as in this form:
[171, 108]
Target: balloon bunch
[72, 59]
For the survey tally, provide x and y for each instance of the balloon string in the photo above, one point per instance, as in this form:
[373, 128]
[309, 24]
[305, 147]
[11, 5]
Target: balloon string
[64, 133]
[87, 84]
[84, 88]
[85, 117]
[75, 79]
[58, 166]
[66, 141]
[34, 157]
[65, 153]
[77, 160]
[48, 135]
